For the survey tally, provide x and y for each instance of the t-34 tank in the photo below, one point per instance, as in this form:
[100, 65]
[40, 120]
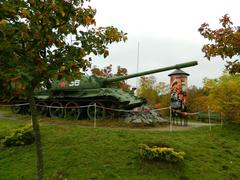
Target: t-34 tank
[64, 99]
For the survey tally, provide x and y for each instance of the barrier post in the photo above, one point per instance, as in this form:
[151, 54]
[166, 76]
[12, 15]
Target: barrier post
[170, 119]
[95, 112]
[221, 120]
[209, 119]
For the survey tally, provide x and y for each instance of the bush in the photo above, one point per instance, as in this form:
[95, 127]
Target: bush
[19, 137]
[160, 153]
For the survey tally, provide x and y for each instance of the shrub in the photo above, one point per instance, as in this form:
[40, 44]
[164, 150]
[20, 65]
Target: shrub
[160, 153]
[19, 137]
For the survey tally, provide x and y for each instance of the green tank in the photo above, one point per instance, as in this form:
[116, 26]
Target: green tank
[92, 95]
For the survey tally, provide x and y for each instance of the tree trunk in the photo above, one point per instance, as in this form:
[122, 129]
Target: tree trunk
[36, 130]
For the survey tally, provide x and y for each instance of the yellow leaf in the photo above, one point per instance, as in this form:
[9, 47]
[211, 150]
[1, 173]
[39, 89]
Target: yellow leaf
[88, 20]
[3, 21]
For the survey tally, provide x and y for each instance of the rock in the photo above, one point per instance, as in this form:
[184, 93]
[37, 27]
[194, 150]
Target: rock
[137, 121]
[144, 116]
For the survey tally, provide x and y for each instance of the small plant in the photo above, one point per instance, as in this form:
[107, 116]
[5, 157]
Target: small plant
[160, 153]
[19, 137]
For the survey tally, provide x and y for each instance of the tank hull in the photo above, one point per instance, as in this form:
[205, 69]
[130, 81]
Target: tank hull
[79, 104]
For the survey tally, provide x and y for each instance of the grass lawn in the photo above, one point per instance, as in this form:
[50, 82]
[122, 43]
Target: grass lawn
[75, 152]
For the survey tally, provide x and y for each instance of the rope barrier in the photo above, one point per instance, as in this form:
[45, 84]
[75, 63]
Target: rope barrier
[195, 113]
[86, 106]
[64, 107]
[12, 105]
[143, 110]
[160, 109]
[112, 109]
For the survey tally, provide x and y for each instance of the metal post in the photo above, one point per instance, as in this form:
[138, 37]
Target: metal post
[95, 112]
[170, 119]
[221, 120]
[209, 118]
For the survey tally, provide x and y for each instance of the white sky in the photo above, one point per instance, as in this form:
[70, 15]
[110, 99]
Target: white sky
[167, 32]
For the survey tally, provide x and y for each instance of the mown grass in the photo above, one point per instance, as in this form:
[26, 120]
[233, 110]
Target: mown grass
[76, 152]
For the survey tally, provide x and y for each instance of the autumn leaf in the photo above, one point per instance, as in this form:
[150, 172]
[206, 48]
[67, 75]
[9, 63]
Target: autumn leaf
[224, 42]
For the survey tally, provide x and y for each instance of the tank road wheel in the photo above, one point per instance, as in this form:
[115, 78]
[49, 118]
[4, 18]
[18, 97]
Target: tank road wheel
[26, 109]
[100, 111]
[56, 110]
[42, 108]
[72, 110]
[16, 109]
[111, 112]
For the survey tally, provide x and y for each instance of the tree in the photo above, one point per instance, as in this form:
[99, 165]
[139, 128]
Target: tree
[224, 42]
[197, 99]
[224, 96]
[147, 89]
[107, 72]
[35, 46]
[153, 91]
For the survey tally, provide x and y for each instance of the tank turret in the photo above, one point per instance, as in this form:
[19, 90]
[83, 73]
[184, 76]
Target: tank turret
[92, 96]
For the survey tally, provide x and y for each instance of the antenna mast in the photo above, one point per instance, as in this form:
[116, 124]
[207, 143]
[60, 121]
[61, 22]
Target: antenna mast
[137, 63]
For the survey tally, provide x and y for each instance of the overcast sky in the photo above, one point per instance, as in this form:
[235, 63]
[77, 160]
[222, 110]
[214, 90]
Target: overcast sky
[167, 32]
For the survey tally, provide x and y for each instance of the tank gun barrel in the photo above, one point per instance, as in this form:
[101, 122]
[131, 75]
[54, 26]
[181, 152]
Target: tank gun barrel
[177, 66]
